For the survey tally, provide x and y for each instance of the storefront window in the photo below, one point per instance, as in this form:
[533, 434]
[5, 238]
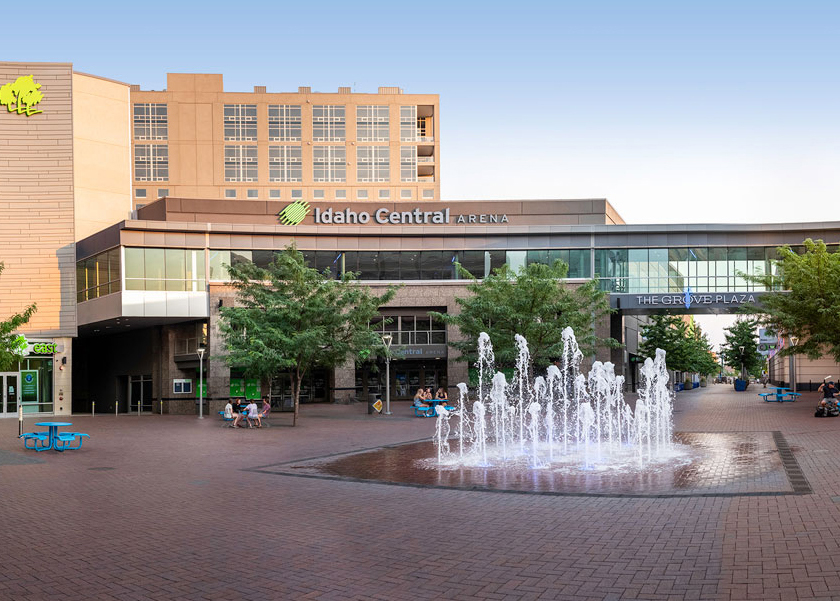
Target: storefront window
[36, 384]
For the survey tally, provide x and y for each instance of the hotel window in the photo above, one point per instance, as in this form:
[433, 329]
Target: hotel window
[240, 163]
[428, 193]
[329, 163]
[318, 194]
[406, 194]
[274, 193]
[151, 162]
[150, 122]
[384, 194]
[408, 123]
[253, 193]
[361, 194]
[328, 124]
[229, 193]
[408, 163]
[372, 164]
[240, 122]
[163, 192]
[372, 123]
[284, 164]
[340, 194]
[297, 194]
[283, 123]
[140, 193]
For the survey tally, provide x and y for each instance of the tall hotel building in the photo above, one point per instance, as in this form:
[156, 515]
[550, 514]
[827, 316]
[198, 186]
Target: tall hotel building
[194, 140]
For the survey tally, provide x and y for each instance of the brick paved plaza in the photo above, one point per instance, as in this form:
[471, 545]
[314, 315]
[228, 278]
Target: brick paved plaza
[170, 508]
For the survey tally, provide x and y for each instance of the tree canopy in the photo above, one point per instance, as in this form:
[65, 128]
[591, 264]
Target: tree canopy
[743, 333]
[686, 347]
[10, 342]
[808, 305]
[289, 317]
[533, 302]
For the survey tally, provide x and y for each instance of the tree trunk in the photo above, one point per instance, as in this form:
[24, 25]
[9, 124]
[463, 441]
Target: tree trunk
[296, 395]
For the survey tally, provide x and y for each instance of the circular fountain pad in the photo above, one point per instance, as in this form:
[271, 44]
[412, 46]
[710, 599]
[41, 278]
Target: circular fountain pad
[705, 464]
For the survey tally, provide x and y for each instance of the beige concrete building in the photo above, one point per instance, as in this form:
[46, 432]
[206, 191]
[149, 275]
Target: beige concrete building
[196, 140]
[65, 172]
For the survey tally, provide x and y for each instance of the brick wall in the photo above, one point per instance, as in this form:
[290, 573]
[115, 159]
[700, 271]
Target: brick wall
[36, 203]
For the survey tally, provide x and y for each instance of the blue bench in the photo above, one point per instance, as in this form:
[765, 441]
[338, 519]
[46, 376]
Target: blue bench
[35, 438]
[65, 438]
[766, 396]
[423, 411]
[793, 396]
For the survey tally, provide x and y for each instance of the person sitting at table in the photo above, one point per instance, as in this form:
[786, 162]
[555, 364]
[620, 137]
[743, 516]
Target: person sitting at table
[238, 417]
[229, 414]
[420, 398]
[441, 395]
[266, 409]
[253, 414]
[427, 395]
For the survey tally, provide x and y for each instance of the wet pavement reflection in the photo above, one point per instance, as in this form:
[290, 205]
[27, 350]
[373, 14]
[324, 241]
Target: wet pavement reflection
[709, 464]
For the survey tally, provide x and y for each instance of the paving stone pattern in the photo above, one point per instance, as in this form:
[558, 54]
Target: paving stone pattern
[170, 508]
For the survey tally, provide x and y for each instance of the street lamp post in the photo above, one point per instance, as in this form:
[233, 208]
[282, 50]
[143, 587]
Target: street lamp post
[741, 348]
[201, 382]
[793, 341]
[387, 339]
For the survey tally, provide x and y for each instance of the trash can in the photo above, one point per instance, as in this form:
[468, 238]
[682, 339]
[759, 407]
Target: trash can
[372, 398]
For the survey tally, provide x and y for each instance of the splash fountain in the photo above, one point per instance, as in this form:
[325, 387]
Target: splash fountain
[563, 420]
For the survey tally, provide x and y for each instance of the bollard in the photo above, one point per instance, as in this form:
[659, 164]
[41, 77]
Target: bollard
[20, 420]
[161, 407]
[93, 408]
[116, 406]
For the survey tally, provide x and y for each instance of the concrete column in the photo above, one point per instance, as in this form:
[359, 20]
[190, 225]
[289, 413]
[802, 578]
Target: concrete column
[63, 378]
[345, 382]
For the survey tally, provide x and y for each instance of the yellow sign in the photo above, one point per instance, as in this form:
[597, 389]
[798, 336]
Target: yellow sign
[378, 406]
[21, 96]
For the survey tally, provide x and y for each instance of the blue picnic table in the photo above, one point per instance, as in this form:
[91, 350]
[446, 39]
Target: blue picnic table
[780, 394]
[52, 439]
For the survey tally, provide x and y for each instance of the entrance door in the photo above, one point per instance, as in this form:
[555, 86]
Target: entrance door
[10, 393]
[140, 394]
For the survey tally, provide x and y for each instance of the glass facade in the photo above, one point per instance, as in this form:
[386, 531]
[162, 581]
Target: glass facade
[329, 163]
[404, 265]
[284, 164]
[663, 270]
[172, 269]
[98, 275]
[241, 163]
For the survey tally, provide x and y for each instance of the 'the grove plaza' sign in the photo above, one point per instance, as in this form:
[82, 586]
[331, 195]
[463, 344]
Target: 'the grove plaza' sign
[688, 300]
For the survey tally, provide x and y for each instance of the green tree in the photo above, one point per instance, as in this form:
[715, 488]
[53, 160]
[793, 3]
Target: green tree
[808, 305]
[533, 302]
[669, 333]
[743, 333]
[291, 317]
[10, 347]
[686, 347]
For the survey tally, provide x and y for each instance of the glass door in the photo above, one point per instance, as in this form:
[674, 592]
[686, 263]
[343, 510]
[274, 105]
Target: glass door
[10, 393]
[140, 394]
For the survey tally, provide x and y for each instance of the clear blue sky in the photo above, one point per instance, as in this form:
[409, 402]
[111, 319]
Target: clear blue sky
[675, 111]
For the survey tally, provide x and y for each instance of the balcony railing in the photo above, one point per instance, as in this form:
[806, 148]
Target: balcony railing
[413, 337]
[425, 159]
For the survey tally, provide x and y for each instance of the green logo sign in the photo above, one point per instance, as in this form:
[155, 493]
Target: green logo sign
[44, 348]
[21, 96]
[29, 385]
[294, 213]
